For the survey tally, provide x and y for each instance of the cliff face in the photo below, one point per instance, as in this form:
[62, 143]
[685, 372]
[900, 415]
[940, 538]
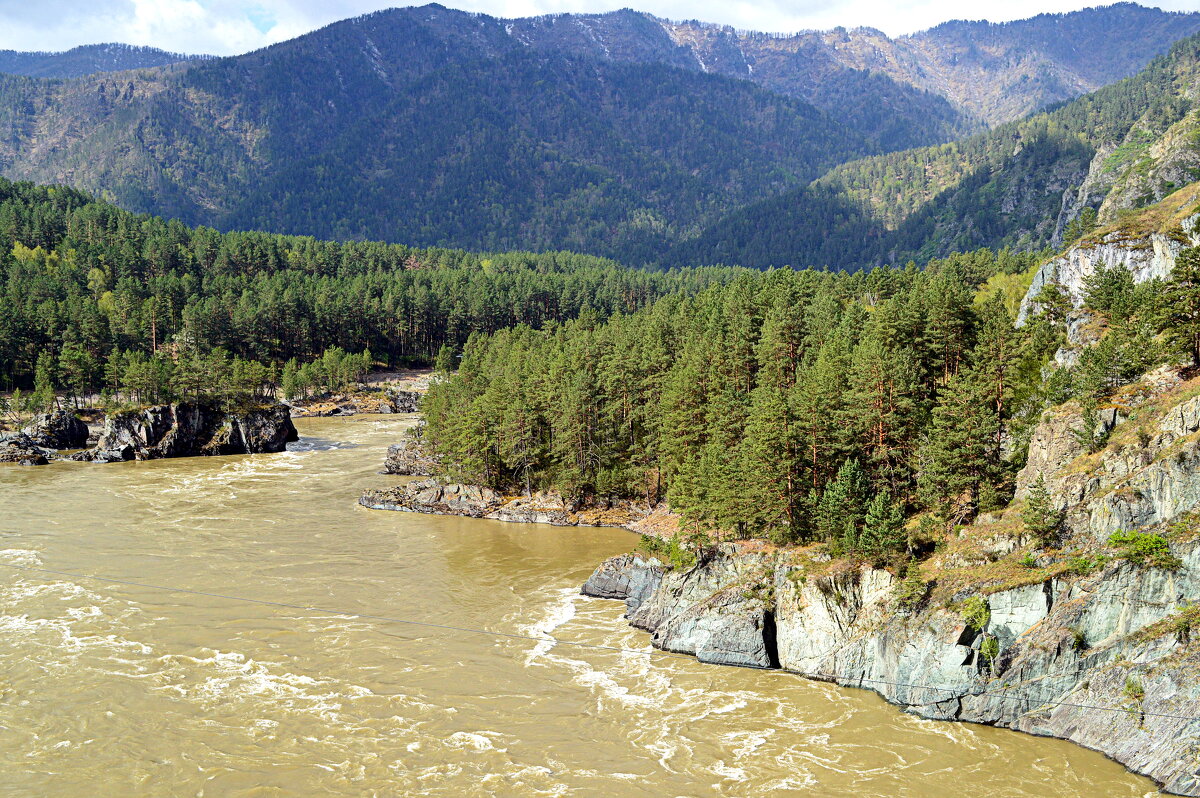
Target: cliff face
[1071, 663]
[1148, 255]
[1083, 644]
[186, 429]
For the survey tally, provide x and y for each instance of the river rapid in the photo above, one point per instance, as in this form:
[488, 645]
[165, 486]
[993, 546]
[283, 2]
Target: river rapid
[111, 689]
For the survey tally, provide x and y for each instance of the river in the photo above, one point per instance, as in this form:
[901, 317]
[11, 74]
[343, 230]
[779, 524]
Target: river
[112, 689]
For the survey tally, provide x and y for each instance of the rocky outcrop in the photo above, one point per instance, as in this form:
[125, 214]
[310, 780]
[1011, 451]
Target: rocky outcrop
[1072, 658]
[1147, 256]
[1148, 475]
[24, 450]
[432, 496]
[411, 458]
[435, 496]
[188, 429]
[58, 430]
[404, 401]
[631, 578]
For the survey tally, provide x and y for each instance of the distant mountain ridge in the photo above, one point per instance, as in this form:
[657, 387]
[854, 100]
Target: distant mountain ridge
[1125, 146]
[616, 134]
[88, 59]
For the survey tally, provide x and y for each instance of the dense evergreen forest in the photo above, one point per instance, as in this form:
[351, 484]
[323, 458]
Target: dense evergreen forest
[89, 289]
[799, 405]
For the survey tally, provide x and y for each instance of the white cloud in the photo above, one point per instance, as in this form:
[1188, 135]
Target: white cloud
[226, 27]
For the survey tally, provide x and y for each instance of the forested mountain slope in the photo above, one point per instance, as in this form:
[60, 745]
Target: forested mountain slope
[1021, 184]
[431, 128]
[87, 59]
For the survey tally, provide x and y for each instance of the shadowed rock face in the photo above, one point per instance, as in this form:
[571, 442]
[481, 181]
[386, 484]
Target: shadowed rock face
[187, 429]
[58, 430]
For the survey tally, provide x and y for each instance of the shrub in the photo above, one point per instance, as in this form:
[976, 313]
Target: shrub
[1028, 561]
[672, 550]
[1078, 638]
[911, 590]
[1180, 623]
[1134, 689]
[976, 612]
[1145, 550]
[989, 649]
[1084, 564]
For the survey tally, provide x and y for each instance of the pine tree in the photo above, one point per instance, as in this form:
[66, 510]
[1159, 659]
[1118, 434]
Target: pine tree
[43, 398]
[959, 460]
[840, 511]
[1181, 303]
[1042, 519]
[770, 479]
[883, 528]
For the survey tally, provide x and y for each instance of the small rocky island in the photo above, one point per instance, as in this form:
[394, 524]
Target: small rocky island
[182, 429]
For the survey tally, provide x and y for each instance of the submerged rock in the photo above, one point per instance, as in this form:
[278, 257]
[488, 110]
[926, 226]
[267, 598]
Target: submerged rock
[188, 429]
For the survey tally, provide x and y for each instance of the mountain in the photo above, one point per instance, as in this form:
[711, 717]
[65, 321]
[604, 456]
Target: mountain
[1125, 146]
[87, 60]
[426, 126]
[617, 134]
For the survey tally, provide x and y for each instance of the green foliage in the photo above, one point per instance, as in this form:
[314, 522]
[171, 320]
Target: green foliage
[82, 282]
[1028, 561]
[883, 532]
[792, 405]
[989, 649]
[976, 613]
[1145, 549]
[672, 550]
[1134, 690]
[1080, 226]
[1084, 564]
[1180, 303]
[1041, 518]
[912, 589]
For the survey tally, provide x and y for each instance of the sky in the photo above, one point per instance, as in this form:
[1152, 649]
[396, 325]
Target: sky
[228, 27]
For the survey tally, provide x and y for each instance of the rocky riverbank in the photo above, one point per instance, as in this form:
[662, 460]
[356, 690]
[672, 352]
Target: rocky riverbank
[473, 501]
[353, 403]
[1088, 641]
[39, 442]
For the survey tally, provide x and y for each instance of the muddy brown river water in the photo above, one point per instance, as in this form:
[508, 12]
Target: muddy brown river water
[112, 689]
